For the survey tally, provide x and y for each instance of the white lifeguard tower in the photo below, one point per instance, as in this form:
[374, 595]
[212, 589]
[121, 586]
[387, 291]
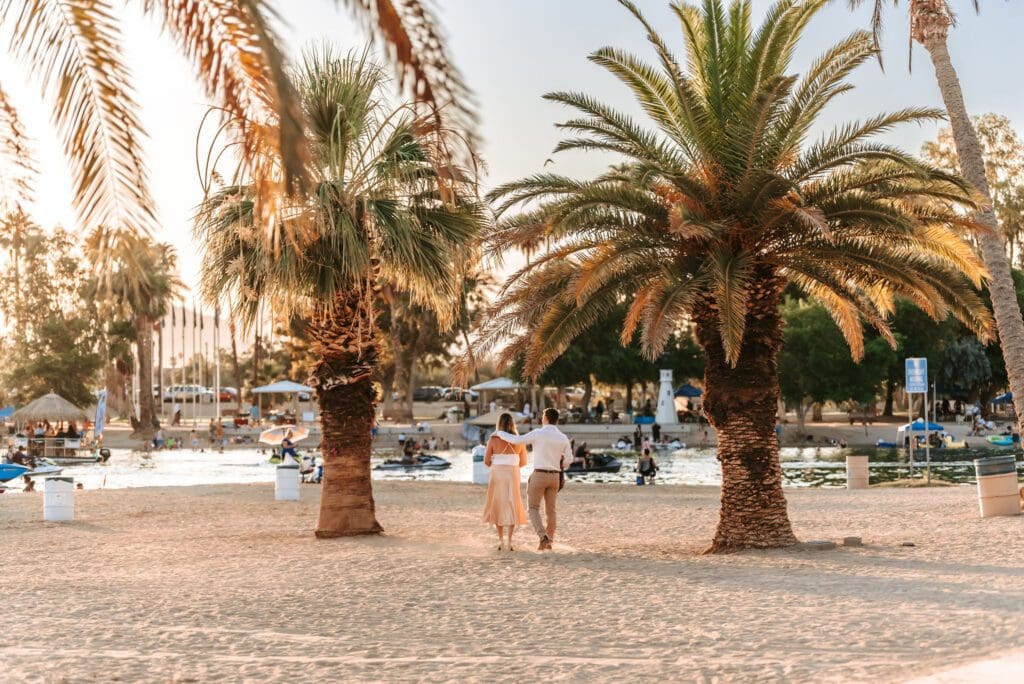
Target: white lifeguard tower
[666, 414]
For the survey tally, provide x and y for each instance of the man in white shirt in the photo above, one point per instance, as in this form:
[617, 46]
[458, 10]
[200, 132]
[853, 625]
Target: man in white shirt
[552, 453]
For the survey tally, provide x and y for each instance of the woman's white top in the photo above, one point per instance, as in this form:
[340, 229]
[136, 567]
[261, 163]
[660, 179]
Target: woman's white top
[504, 459]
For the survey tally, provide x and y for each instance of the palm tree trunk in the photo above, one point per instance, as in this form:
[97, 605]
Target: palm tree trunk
[144, 343]
[588, 393]
[345, 341]
[740, 403]
[931, 31]
[890, 393]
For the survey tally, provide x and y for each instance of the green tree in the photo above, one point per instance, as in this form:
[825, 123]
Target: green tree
[930, 23]
[53, 328]
[815, 365]
[384, 208]
[725, 202]
[964, 367]
[137, 282]
[1003, 153]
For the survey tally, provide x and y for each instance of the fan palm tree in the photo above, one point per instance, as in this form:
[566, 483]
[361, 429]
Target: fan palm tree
[381, 209]
[138, 280]
[724, 201]
[930, 22]
[73, 49]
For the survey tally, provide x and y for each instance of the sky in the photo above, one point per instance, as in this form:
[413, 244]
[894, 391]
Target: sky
[511, 52]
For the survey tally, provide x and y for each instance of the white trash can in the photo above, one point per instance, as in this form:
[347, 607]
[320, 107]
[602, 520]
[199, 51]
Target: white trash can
[59, 499]
[856, 472]
[286, 486]
[481, 473]
[998, 492]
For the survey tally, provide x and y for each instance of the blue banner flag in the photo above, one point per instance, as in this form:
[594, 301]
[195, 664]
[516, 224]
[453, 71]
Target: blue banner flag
[101, 414]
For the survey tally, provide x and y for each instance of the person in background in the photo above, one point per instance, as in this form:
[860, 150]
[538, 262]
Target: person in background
[288, 447]
[19, 457]
[599, 410]
[175, 413]
[638, 437]
[158, 439]
[582, 456]
[30, 485]
[432, 444]
[655, 432]
[40, 431]
[72, 431]
[254, 414]
[194, 440]
[409, 453]
[647, 467]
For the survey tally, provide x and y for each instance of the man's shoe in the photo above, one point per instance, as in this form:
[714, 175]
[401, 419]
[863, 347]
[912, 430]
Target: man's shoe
[545, 543]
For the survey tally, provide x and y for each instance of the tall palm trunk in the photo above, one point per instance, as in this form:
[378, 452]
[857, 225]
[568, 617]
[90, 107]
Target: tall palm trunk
[346, 344]
[740, 403]
[144, 343]
[931, 28]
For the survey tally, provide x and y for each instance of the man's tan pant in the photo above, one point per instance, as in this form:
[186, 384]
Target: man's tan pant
[542, 486]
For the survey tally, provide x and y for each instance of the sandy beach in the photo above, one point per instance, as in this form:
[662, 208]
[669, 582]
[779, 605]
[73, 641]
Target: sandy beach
[222, 583]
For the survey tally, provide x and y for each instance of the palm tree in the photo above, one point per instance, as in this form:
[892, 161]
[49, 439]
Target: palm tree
[381, 209]
[723, 203]
[140, 281]
[73, 49]
[930, 22]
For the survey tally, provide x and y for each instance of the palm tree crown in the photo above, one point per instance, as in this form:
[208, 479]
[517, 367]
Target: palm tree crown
[725, 199]
[382, 204]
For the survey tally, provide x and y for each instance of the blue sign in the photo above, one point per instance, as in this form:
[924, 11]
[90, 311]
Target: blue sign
[917, 376]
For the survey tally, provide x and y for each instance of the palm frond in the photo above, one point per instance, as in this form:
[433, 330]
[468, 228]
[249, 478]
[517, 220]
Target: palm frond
[74, 49]
[416, 48]
[235, 56]
[16, 153]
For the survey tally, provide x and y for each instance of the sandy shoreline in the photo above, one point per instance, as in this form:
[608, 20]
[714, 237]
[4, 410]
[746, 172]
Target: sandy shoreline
[223, 583]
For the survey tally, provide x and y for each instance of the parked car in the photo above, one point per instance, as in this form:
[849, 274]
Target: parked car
[459, 394]
[188, 394]
[228, 394]
[428, 393]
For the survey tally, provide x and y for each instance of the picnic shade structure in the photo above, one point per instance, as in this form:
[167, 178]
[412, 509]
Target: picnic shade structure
[491, 386]
[689, 391]
[285, 387]
[52, 407]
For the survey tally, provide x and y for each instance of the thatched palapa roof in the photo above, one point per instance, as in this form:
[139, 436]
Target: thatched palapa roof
[50, 406]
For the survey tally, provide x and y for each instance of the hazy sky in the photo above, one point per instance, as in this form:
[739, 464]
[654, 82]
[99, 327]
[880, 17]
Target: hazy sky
[511, 52]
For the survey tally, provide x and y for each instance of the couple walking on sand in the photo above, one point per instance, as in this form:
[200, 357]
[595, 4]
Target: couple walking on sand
[505, 455]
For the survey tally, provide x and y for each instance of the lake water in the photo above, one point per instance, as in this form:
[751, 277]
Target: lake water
[803, 467]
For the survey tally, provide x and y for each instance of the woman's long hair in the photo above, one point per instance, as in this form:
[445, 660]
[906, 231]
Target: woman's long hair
[506, 423]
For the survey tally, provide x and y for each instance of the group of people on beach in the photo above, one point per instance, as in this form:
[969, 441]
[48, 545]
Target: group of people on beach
[44, 429]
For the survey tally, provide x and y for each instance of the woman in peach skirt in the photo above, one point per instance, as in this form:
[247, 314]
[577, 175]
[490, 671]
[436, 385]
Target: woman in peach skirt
[504, 506]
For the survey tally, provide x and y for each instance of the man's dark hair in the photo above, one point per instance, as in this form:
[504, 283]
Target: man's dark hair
[551, 415]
